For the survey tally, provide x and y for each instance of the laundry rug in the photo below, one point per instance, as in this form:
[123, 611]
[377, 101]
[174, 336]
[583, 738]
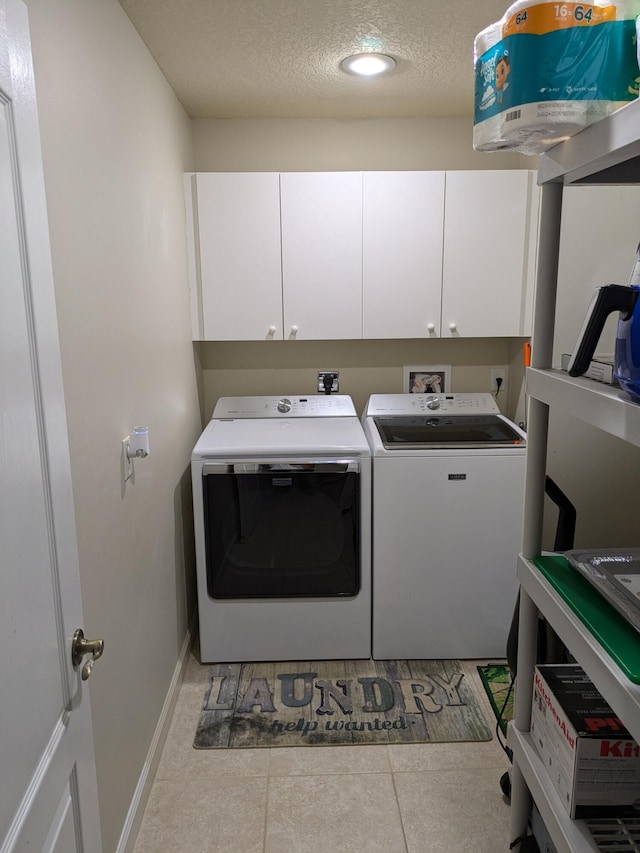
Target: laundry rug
[320, 703]
[496, 679]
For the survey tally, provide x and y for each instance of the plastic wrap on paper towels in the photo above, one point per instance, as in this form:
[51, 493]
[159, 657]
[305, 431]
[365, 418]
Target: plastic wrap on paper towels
[547, 70]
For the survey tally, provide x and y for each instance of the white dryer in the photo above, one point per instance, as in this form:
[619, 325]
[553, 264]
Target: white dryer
[448, 490]
[282, 517]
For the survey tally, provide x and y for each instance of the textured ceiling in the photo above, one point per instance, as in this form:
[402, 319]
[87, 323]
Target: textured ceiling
[280, 58]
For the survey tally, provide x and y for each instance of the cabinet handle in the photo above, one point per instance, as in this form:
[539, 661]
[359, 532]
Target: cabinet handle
[294, 330]
[272, 330]
[453, 326]
[431, 327]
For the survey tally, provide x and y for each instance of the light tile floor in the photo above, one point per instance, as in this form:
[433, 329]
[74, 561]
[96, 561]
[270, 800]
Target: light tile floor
[405, 798]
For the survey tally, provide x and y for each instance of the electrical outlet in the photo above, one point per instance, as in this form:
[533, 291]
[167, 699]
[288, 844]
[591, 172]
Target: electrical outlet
[498, 373]
[334, 374]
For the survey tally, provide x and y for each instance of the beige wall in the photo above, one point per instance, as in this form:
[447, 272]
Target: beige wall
[600, 230]
[600, 475]
[295, 145]
[115, 146]
[366, 367]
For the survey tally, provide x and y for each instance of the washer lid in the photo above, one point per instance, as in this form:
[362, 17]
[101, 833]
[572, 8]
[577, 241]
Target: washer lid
[447, 431]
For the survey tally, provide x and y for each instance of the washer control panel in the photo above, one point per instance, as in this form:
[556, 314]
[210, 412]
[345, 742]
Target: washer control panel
[321, 406]
[415, 404]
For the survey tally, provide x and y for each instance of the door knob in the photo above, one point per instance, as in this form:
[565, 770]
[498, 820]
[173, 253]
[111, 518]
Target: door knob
[81, 647]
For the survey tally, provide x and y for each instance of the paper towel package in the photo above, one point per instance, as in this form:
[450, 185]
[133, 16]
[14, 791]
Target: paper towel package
[547, 70]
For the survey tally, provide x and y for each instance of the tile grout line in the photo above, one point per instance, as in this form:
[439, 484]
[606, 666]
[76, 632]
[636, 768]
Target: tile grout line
[395, 792]
[266, 804]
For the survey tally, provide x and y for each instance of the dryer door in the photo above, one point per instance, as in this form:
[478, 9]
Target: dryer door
[282, 529]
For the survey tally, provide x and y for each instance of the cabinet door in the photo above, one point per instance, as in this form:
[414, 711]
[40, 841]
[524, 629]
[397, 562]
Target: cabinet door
[403, 218]
[240, 267]
[487, 266]
[322, 254]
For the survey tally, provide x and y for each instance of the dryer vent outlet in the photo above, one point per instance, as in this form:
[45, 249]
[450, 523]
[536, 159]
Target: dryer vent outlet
[326, 376]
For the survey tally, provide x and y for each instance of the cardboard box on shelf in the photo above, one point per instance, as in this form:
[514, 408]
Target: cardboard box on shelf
[592, 760]
[600, 368]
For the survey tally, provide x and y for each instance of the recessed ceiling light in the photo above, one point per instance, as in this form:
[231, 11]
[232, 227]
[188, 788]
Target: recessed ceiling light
[368, 64]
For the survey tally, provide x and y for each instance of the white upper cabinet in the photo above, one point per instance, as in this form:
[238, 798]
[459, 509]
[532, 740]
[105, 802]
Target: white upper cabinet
[348, 255]
[239, 251]
[403, 219]
[322, 254]
[490, 228]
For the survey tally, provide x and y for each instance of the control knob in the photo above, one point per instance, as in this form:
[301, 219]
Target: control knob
[433, 403]
[284, 405]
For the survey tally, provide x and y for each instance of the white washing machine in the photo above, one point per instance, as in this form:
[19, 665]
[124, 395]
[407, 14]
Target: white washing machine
[282, 517]
[448, 489]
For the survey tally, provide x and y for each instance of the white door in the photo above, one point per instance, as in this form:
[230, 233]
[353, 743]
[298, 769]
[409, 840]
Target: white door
[487, 253]
[48, 794]
[240, 255]
[322, 254]
[403, 219]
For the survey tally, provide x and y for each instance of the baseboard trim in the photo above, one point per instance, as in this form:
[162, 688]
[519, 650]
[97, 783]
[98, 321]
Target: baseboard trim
[143, 788]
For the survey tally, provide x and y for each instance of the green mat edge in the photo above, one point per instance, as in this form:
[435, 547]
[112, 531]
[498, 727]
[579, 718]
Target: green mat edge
[485, 683]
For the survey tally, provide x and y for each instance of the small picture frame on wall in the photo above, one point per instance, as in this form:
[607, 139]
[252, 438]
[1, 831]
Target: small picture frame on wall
[427, 379]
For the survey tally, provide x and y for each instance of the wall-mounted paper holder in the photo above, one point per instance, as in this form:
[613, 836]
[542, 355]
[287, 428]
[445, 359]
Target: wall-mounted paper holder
[138, 443]
[135, 446]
